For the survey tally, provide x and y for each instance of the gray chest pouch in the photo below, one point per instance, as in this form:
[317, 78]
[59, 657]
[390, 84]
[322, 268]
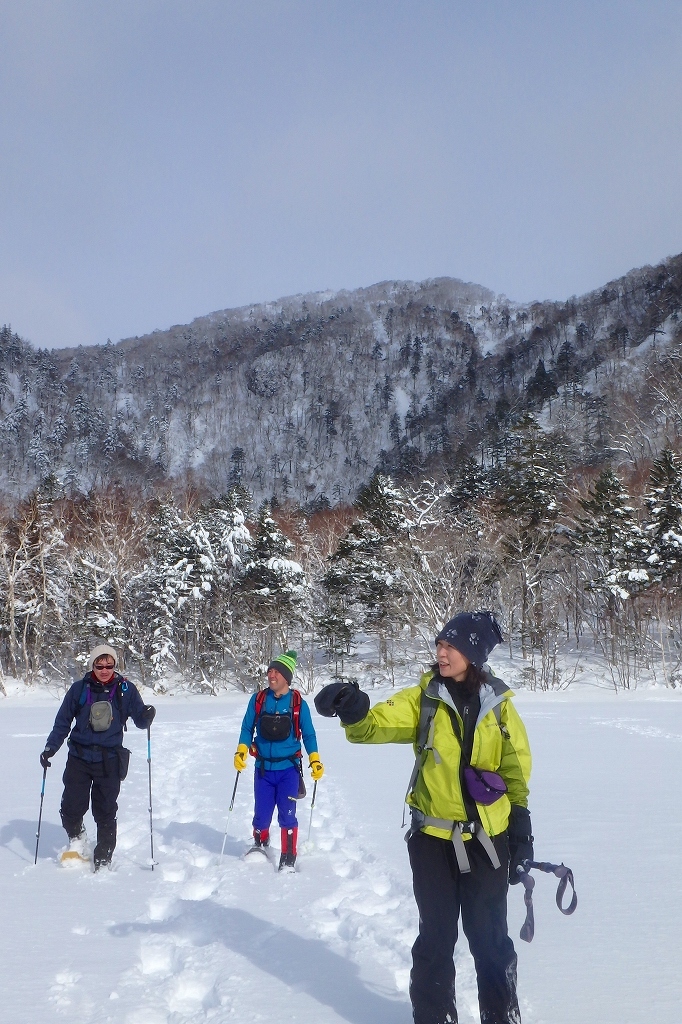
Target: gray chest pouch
[101, 715]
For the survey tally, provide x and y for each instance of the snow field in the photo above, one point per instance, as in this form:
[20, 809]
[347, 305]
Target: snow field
[200, 939]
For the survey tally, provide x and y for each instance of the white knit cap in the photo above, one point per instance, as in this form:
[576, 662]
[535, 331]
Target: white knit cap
[99, 652]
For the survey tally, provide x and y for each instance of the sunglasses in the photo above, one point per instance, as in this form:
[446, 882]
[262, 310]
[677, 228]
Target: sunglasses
[104, 664]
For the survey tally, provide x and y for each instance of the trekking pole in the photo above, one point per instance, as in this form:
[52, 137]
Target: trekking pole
[151, 820]
[40, 816]
[229, 812]
[312, 804]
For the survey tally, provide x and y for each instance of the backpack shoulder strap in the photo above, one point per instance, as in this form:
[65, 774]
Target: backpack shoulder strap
[84, 694]
[427, 710]
[296, 712]
[260, 701]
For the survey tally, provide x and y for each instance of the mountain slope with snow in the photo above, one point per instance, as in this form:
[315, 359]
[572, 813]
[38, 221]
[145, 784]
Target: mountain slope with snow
[306, 397]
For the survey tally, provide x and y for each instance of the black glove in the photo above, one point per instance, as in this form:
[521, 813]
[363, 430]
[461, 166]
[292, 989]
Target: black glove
[45, 757]
[343, 699]
[520, 840]
[149, 714]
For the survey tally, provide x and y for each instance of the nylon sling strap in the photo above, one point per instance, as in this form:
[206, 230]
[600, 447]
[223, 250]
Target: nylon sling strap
[459, 829]
[565, 876]
[427, 712]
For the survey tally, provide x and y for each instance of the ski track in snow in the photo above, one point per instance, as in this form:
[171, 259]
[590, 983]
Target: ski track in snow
[638, 727]
[194, 934]
[202, 940]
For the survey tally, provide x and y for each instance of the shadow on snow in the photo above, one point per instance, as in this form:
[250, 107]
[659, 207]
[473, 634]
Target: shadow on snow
[51, 838]
[305, 965]
[201, 835]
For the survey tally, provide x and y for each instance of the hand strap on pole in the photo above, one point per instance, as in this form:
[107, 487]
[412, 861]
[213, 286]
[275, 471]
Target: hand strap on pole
[565, 876]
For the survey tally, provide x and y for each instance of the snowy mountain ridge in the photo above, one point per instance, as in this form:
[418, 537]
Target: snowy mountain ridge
[306, 397]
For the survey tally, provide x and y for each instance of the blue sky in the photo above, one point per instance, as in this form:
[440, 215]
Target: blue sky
[162, 159]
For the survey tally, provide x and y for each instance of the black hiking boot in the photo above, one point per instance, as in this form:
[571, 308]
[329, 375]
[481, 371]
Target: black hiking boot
[287, 861]
[261, 838]
[102, 861]
[106, 844]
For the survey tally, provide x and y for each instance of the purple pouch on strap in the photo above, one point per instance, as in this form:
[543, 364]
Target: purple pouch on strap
[484, 787]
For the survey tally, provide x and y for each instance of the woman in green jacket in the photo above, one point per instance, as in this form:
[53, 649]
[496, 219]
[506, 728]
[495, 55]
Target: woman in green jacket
[468, 797]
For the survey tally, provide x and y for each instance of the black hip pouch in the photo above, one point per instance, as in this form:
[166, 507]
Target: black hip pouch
[123, 762]
[275, 727]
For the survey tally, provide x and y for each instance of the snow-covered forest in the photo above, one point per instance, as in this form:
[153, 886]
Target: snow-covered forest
[207, 591]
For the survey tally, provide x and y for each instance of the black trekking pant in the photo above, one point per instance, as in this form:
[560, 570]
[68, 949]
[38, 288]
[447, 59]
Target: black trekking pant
[442, 892]
[99, 781]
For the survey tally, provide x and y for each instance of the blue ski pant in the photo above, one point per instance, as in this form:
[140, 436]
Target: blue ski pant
[275, 788]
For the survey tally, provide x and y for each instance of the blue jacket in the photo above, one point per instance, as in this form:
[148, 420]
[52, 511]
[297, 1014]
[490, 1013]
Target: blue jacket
[84, 742]
[276, 755]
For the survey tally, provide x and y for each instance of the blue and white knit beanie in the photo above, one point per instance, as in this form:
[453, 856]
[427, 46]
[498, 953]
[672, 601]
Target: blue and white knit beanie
[473, 634]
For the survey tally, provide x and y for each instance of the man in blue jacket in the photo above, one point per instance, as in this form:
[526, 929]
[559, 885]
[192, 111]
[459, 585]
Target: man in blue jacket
[100, 702]
[281, 719]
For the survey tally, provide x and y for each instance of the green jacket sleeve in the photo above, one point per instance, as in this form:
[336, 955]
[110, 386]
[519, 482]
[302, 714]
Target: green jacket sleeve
[395, 720]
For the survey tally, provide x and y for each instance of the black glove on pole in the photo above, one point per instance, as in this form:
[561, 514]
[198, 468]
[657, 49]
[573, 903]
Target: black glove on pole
[345, 700]
[520, 840]
[45, 758]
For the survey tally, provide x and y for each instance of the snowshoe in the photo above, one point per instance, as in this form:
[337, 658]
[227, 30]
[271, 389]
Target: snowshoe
[257, 848]
[78, 851]
[261, 842]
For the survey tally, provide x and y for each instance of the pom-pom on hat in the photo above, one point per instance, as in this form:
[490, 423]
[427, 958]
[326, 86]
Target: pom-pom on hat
[473, 634]
[285, 665]
[99, 652]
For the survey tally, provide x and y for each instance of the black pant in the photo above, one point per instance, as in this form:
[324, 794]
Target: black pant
[99, 780]
[442, 892]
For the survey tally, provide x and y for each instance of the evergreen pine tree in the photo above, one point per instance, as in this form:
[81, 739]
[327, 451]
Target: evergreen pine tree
[611, 530]
[273, 585]
[364, 582]
[532, 479]
[473, 483]
[528, 503]
[663, 527]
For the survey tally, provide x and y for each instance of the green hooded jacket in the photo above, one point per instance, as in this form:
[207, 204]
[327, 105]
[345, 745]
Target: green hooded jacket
[498, 746]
